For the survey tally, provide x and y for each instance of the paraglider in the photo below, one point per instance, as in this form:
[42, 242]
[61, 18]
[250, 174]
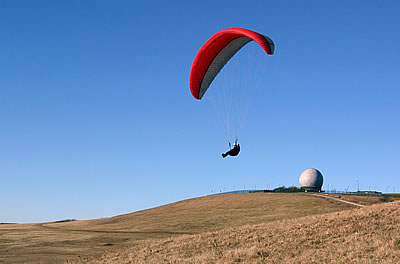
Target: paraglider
[232, 152]
[212, 57]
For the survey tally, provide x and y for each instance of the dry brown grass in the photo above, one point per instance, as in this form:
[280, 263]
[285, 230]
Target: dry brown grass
[364, 200]
[367, 235]
[56, 242]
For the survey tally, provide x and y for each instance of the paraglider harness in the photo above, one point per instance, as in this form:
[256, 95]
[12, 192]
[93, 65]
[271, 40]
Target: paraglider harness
[232, 151]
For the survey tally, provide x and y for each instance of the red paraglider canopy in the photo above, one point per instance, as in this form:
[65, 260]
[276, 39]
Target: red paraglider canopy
[217, 51]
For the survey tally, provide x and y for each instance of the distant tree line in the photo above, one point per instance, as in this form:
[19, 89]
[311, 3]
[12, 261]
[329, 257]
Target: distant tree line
[292, 189]
[65, 220]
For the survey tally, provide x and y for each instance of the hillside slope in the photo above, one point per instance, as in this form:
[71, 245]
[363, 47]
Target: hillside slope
[55, 242]
[211, 213]
[367, 235]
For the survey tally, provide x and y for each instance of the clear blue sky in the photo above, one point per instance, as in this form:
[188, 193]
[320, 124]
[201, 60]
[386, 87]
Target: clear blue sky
[96, 117]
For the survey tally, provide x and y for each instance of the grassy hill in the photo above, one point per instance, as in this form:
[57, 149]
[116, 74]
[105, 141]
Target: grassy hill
[367, 235]
[188, 219]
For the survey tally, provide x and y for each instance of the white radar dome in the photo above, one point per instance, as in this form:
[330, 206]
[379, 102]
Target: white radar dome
[311, 180]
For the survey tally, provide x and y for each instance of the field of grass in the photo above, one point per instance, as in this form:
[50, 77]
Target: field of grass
[364, 200]
[57, 242]
[367, 235]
